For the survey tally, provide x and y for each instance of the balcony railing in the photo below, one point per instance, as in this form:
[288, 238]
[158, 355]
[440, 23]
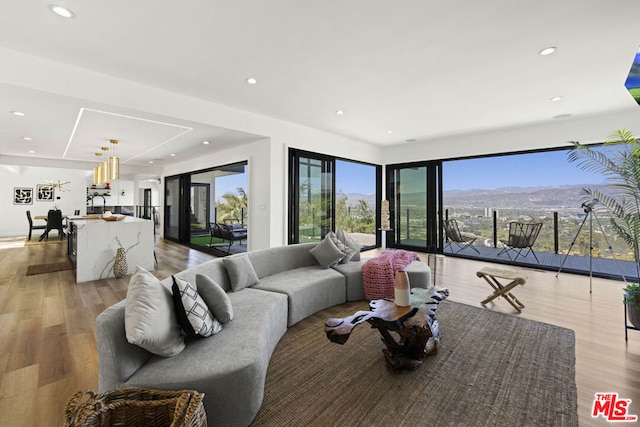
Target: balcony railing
[576, 240]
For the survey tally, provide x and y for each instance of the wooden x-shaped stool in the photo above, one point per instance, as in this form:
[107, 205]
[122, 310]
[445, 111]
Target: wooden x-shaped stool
[491, 275]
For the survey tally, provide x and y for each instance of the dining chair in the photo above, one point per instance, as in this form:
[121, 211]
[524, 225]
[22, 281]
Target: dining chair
[34, 227]
[54, 222]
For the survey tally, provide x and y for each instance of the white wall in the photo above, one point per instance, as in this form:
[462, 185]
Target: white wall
[552, 134]
[14, 219]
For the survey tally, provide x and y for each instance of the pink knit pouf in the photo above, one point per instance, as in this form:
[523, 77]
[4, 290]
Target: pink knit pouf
[378, 273]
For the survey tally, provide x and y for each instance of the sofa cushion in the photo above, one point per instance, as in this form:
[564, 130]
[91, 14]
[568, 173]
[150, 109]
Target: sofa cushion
[310, 289]
[215, 297]
[241, 272]
[150, 319]
[351, 243]
[352, 273]
[327, 253]
[194, 315]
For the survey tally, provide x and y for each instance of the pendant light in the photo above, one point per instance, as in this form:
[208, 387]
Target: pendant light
[97, 172]
[114, 161]
[105, 167]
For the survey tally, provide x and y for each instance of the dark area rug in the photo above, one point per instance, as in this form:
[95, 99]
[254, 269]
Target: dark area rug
[49, 268]
[491, 369]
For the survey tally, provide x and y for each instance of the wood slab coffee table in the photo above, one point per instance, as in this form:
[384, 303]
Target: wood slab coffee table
[415, 326]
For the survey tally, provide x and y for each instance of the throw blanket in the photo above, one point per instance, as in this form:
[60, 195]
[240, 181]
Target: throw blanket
[378, 274]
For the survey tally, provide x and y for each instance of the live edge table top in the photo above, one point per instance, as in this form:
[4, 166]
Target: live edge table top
[416, 325]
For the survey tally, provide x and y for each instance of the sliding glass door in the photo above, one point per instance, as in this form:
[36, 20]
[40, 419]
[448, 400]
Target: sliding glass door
[327, 193]
[196, 200]
[313, 206]
[415, 197]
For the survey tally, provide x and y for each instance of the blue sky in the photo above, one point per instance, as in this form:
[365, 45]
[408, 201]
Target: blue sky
[536, 169]
[355, 178]
[229, 184]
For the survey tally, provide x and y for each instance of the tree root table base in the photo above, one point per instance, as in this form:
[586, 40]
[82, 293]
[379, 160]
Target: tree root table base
[410, 333]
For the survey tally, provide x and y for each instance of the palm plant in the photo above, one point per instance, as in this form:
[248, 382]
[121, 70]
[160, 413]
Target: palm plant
[619, 163]
[234, 206]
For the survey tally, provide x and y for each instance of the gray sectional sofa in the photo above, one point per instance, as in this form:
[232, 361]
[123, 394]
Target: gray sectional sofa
[230, 367]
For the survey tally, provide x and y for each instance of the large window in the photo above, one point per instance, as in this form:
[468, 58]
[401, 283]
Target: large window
[327, 193]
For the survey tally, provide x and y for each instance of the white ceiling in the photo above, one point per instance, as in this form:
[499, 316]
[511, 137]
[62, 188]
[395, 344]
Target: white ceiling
[421, 69]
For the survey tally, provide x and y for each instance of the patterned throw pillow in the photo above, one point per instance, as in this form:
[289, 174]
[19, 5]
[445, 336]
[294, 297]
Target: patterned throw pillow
[352, 244]
[193, 314]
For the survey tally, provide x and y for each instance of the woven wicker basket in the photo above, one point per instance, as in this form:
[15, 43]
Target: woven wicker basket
[133, 407]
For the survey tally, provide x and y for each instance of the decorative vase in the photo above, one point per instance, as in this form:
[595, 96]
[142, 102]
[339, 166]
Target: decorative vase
[401, 289]
[120, 265]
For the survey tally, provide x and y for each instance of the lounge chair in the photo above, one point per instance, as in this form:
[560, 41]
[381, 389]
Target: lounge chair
[522, 237]
[454, 236]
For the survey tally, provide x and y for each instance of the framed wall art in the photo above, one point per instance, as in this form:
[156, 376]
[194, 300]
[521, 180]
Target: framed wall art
[45, 193]
[22, 196]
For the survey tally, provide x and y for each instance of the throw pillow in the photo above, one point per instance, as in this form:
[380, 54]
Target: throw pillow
[351, 243]
[326, 253]
[215, 297]
[193, 314]
[348, 252]
[149, 318]
[240, 271]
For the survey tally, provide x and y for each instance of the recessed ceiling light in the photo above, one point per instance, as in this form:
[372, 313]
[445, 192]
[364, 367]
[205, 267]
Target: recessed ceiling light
[26, 138]
[18, 113]
[389, 131]
[61, 11]
[547, 50]
[251, 81]
[206, 142]
[556, 98]
[339, 112]
[151, 161]
[32, 152]
[172, 154]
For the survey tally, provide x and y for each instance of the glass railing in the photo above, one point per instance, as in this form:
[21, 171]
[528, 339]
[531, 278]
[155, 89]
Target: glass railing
[570, 231]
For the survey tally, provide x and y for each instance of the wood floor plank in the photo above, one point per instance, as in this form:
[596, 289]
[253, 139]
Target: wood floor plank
[55, 355]
[17, 390]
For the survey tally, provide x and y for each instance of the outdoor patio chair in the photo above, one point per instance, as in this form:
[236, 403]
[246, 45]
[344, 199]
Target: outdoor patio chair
[522, 237]
[454, 236]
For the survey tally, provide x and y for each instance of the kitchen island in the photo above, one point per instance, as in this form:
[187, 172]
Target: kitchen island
[93, 243]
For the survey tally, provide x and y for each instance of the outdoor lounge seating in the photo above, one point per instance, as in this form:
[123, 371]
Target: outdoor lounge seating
[522, 237]
[230, 232]
[454, 236]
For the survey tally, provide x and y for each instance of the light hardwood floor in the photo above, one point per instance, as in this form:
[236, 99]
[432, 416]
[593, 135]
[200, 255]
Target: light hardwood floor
[47, 344]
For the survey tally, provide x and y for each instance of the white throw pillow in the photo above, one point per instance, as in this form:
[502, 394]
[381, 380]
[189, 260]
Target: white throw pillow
[193, 314]
[149, 318]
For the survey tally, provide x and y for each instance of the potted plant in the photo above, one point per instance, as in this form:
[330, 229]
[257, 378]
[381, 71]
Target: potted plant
[632, 300]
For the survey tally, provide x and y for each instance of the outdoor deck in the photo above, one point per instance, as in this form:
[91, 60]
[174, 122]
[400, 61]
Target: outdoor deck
[600, 267]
